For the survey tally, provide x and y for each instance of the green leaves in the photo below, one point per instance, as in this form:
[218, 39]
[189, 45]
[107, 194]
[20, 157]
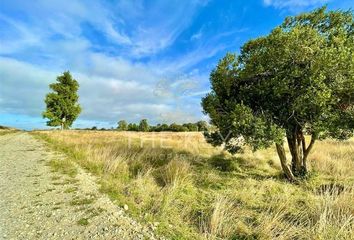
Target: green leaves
[62, 104]
[122, 125]
[144, 125]
[300, 76]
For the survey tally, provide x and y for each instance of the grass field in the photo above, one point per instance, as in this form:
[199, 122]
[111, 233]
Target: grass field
[187, 189]
[6, 130]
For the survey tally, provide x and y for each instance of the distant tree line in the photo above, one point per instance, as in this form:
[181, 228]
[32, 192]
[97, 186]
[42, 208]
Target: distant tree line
[144, 126]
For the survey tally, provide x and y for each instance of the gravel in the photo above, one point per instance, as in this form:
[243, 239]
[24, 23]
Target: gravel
[36, 203]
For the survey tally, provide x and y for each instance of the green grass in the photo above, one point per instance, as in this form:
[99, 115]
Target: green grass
[83, 222]
[81, 201]
[94, 212]
[71, 190]
[63, 166]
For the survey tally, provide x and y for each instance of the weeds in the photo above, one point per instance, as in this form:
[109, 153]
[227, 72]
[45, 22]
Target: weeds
[63, 166]
[71, 190]
[7, 131]
[83, 222]
[81, 201]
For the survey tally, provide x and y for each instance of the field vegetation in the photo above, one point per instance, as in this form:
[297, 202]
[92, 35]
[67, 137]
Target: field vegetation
[186, 189]
[6, 130]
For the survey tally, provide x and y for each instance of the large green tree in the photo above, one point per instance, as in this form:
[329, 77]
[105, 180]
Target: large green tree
[297, 80]
[62, 104]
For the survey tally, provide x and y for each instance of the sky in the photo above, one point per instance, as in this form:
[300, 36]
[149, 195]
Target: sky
[133, 59]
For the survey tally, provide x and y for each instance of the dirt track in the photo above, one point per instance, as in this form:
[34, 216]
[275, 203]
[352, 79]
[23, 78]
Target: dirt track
[36, 203]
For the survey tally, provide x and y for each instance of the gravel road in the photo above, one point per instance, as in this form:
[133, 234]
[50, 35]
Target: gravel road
[36, 203]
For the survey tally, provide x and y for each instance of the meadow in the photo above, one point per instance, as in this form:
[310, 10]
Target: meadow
[187, 189]
[6, 130]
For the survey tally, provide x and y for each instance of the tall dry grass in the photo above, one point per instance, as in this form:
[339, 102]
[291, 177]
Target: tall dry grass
[190, 190]
[7, 131]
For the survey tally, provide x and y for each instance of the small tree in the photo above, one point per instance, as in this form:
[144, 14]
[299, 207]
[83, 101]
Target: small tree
[133, 127]
[144, 125]
[297, 80]
[202, 126]
[192, 127]
[174, 127]
[161, 127]
[62, 104]
[122, 125]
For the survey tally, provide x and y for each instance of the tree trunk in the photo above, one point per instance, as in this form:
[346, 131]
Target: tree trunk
[63, 123]
[296, 161]
[299, 152]
[284, 165]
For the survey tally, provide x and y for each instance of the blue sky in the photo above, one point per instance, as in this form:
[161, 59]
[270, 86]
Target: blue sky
[133, 59]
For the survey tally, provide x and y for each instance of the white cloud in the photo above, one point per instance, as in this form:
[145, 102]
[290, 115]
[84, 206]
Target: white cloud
[294, 4]
[204, 50]
[196, 36]
[140, 29]
[10, 43]
[160, 23]
[48, 41]
[23, 87]
[103, 98]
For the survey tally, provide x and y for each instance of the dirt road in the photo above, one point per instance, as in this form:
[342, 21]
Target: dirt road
[36, 203]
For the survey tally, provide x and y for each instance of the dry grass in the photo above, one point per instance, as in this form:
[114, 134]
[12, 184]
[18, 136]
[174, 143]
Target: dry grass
[191, 190]
[7, 131]
[334, 158]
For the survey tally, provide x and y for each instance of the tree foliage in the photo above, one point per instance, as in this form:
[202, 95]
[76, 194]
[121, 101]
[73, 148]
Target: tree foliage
[297, 80]
[62, 106]
[144, 125]
[174, 127]
[122, 125]
[202, 126]
[133, 127]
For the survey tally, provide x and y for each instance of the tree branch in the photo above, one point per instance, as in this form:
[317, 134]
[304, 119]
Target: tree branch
[284, 165]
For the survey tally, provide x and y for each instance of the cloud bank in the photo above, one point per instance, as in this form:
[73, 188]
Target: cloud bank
[133, 59]
[104, 52]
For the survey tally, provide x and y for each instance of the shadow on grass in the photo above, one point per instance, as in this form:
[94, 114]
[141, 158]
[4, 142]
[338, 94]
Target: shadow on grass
[239, 167]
